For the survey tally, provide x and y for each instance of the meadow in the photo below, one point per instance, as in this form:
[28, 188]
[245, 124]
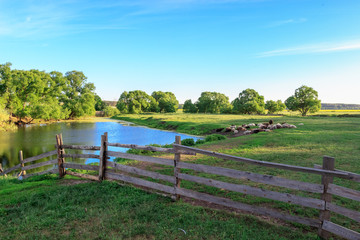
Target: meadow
[77, 211]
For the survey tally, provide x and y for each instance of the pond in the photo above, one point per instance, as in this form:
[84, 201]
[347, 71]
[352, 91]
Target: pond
[39, 138]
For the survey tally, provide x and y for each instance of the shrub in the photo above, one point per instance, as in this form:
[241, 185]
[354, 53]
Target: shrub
[110, 111]
[200, 141]
[188, 142]
[214, 137]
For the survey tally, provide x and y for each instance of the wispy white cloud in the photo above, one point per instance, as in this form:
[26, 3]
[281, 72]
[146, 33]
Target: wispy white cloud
[47, 18]
[287, 21]
[315, 48]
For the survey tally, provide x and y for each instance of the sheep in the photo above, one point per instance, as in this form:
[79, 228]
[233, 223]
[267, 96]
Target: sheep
[247, 132]
[241, 129]
[272, 127]
[227, 129]
[255, 130]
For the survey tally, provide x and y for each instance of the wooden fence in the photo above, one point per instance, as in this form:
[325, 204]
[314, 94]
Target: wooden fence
[110, 170]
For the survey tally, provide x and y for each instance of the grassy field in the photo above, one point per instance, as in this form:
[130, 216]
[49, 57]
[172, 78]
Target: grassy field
[48, 208]
[134, 214]
[306, 145]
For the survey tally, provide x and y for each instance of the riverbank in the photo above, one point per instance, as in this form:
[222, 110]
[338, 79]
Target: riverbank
[5, 125]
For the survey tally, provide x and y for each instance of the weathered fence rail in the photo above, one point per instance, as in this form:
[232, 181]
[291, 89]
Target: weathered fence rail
[115, 171]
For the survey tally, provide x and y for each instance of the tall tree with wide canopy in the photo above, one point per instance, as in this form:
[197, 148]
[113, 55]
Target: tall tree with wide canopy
[212, 102]
[79, 95]
[248, 102]
[304, 100]
[136, 102]
[167, 101]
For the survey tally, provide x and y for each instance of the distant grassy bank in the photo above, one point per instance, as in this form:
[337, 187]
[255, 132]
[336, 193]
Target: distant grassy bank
[48, 208]
[200, 124]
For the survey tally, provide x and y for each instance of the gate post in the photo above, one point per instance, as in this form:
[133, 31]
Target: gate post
[21, 158]
[103, 156]
[328, 164]
[176, 168]
[60, 154]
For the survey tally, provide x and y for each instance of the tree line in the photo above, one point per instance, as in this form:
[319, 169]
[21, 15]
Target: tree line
[34, 94]
[249, 101]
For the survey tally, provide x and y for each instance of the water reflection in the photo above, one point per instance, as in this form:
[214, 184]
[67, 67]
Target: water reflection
[36, 139]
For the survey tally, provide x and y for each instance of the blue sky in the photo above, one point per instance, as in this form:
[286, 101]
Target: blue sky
[191, 46]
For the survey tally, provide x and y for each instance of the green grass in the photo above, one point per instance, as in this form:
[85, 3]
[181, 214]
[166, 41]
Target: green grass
[133, 214]
[45, 208]
[337, 137]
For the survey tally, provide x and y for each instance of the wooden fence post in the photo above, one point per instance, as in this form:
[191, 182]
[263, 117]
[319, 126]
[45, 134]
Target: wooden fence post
[21, 158]
[176, 169]
[328, 164]
[103, 156]
[60, 153]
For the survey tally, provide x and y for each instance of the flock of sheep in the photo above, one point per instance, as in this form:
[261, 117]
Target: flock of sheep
[245, 129]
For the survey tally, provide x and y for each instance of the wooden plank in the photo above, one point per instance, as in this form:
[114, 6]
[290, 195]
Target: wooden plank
[36, 165]
[263, 163]
[103, 156]
[60, 157]
[340, 231]
[266, 179]
[142, 158]
[51, 171]
[328, 164]
[351, 176]
[149, 148]
[140, 172]
[283, 197]
[248, 208]
[354, 215]
[140, 182]
[81, 175]
[177, 170]
[82, 147]
[21, 158]
[81, 166]
[82, 155]
[344, 192]
[38, 157]
[11, 169]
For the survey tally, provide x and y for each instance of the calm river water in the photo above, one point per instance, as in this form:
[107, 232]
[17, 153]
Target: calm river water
[36, 139]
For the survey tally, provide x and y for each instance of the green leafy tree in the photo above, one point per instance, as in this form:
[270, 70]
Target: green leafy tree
[111, 111]
[79, 95]
[189, 107]
[212, 102]
[136, 102]
[37, 94]
[99, 104]
[249, 102]
[273, 106]
[167, 101]
[304, 100]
